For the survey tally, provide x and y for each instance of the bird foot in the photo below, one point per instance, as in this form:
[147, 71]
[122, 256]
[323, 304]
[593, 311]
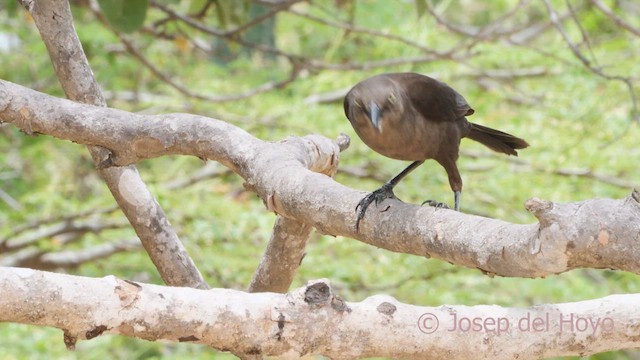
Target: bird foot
[385, 192]
[436, 204]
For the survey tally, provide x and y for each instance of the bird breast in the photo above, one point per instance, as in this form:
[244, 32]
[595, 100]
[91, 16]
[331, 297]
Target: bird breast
[402, 136]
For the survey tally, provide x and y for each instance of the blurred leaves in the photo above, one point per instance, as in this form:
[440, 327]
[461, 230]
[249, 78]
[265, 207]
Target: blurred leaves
[125, 15]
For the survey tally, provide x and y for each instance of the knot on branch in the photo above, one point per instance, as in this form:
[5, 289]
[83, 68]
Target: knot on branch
[541, 209]
[318, 293]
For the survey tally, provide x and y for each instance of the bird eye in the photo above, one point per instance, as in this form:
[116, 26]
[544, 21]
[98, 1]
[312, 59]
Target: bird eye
[391, 99]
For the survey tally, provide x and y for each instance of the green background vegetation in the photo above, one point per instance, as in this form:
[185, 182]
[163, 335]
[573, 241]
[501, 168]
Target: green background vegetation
[572, 118]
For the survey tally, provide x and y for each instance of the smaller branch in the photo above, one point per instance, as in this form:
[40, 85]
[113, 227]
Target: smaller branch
[30, 225]
[75, 258]
[209, 171]
[499, 74]
[587, 64]
[275, 8]
[493, 27]
[508, 74]
[34, 258]
[221, 34]
[65, 227]
[299, 62]
[584, 173]
[10, 201]
[285, 250]
[133, 50]
[583, 32]
[375, 33]
[413, 60]
[524, 36]
[271, 85]
[327, 97]
[489, 32]
[618, 20]
[283, 256]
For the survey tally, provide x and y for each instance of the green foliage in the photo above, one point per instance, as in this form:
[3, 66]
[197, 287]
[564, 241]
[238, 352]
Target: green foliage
[125, 15]
[572, 119]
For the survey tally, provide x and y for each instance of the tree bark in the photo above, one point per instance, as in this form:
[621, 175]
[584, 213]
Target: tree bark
[567, 237]
[282, 257]
[55, 24]
[314, 320]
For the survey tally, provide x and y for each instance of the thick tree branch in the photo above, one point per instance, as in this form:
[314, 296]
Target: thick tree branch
[55, 24]
[565, 239]
[313, 320]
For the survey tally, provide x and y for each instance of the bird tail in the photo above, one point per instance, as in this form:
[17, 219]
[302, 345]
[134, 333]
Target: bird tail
[496, 140]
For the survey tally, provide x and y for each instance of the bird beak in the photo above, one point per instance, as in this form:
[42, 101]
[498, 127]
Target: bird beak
[375, 116]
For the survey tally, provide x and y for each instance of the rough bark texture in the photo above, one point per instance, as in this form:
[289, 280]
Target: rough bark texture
[313, 320]
[567, 236]
[55, 24]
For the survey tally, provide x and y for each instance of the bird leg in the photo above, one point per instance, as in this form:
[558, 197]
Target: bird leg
[436, 204]
[441, 205]
[384, 192]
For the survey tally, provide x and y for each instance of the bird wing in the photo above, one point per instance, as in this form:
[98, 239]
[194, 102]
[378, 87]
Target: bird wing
[433, 99]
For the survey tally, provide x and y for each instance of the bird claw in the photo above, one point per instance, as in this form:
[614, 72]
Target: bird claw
[385, 192]
[436, 204]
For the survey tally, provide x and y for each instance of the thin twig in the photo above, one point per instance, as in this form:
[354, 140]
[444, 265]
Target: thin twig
[583, 173]
[356, 29]
[276, 8]
[271, 85]
[618, 20]
[553, 15]
[33, 224]
[306, 62]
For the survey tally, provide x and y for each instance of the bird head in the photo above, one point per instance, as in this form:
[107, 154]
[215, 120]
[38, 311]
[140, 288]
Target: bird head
[379, 105]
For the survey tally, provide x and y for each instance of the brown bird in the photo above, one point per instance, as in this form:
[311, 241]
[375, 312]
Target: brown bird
[408, 116]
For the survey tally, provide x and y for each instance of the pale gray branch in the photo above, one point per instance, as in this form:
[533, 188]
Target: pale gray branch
[567, 237]
[283, 256]
[54, 21]
[311, 319]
